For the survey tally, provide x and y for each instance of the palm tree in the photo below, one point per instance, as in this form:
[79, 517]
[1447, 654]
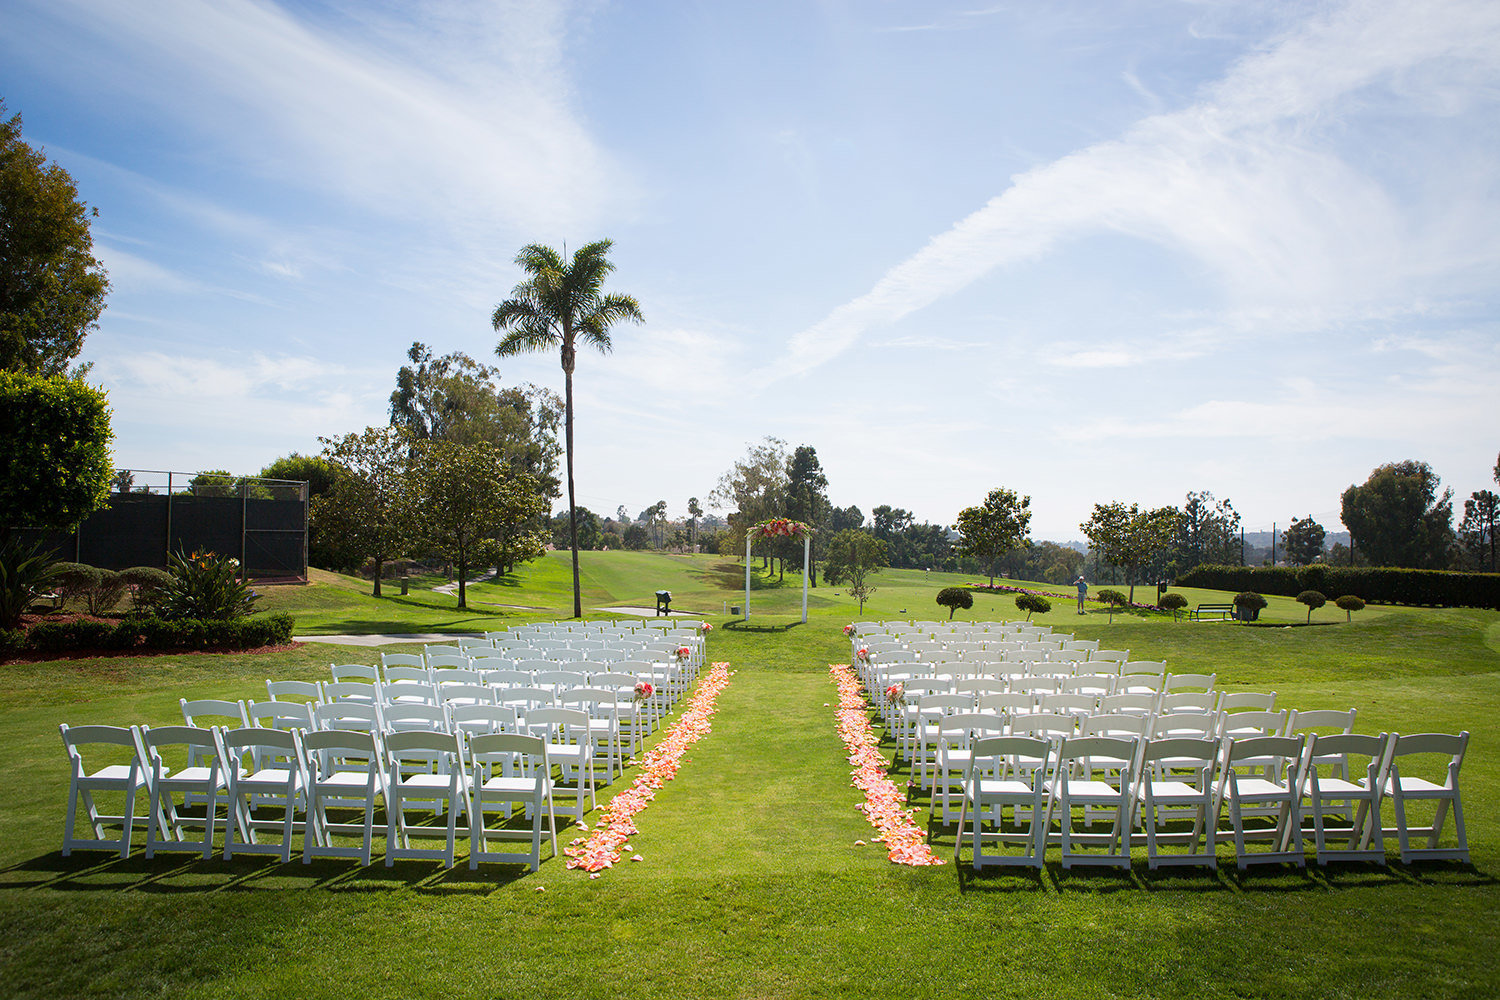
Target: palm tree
[560, 304]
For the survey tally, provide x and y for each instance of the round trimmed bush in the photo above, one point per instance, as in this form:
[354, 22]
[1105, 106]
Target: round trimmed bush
[954, 598]
[1313, 600]
[1173, 603]
[1030, 603]
[1349, 604]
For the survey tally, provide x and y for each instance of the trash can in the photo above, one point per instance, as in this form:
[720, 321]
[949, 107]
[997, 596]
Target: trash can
[663, 602]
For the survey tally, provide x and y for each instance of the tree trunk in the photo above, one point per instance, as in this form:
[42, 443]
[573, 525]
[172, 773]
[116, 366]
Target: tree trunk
[572, 501]
[463, 577]
[379, 566]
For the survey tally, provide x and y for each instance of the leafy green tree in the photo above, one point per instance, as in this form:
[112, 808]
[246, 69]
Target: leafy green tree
[214, 483]
[695, 511]
[1398, 518]
[840, 518]
[367, 512]
[1477, 529]
[1313, 599]
[807, 501]
[1207, 532]
[55, 465]
[954, 598]
[1112, 599]
[1303, 541]
[636, 537]
[851, 557]
[1129, 537]
[754, 488]
[590, 530]
[995, 527]
[561, 303]
[1348, 604]
[1033, 604]
[470, 505]
[1173, 603]
[454, 398]
[655, 516]
[52, 288]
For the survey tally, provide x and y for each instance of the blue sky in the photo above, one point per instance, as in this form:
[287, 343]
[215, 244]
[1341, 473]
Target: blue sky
[1087, 251]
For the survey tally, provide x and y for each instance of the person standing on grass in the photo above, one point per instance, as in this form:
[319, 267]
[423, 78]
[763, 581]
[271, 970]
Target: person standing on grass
[1083, 592]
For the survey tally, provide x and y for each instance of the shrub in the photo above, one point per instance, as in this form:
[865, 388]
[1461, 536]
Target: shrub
[75, 581]
[1173, 603]
[204, 586]
[144, 582]
[1313, 577]
[954, 598]
[1349, 604]
[25, 571]
[1313, 600]
[1033, 602]
[1250, 599]
[1114, 599]
[1434, 588]
[156, 633]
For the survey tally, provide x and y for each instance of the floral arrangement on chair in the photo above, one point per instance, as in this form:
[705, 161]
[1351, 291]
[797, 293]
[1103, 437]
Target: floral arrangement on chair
[896, 694]
[683, 652]
[848, 629]
[863, 654]
[707, 628]
[643, 690]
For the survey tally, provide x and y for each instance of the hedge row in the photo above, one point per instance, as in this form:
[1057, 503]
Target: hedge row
[1427, 587]
[153, 634]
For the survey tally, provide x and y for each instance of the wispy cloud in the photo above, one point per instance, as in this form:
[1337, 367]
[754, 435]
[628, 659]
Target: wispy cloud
[457, 113]
[1242, 181]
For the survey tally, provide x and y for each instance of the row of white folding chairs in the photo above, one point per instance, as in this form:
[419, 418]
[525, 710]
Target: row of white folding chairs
[1017, 625]
[495, 670]
[307, 771]
[1141, 673]
[668, 683]
[449, 656]
[1174, 691]
[1144, 783]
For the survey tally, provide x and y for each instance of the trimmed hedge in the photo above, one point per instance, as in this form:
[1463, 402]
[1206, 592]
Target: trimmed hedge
[1424, 587]
[154, 633]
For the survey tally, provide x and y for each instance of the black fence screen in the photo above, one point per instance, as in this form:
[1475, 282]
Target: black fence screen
[265, 529]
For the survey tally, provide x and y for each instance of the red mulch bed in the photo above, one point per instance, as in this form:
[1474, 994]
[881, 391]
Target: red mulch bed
[36, 656]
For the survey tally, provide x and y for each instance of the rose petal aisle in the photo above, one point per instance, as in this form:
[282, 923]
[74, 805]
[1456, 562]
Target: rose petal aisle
[885, 804]
[615, 826]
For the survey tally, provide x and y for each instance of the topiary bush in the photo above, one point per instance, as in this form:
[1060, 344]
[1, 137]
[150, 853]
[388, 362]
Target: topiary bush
[144, 583]
[1033, 603]
[954, 598]
[1349, 604]
[1248, 605]
[1173, 603]
[155, 633]
[1114, 599]
[1313, 600]
[75, 581]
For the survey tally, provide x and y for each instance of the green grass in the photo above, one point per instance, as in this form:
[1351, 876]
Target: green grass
[752, 885]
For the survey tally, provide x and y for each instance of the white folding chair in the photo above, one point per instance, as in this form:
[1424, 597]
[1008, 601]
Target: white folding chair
[124, 773]
[957, 734]
[355, 672]
[263, 767]
[1247, 701]
[1074, 785]
[1406, 788]
[426, 767]
[1332, 794]
[509, 768]
[570, 751]
[991, 785]
[1274, 769]
[1179, 774]
[308, 691]
[166, 825]
[343, 766]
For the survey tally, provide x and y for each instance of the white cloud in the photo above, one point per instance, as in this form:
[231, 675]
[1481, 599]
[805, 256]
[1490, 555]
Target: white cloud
[1243, 181]
[460, 113]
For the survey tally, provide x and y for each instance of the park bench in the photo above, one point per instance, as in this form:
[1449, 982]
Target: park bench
[1224, 611]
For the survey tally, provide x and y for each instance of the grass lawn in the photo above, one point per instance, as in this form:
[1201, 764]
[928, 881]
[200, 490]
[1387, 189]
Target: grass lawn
[752, 884]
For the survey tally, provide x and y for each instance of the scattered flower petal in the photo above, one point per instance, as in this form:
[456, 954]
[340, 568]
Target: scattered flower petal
[637, 858]
[885, 804]
[614, 828]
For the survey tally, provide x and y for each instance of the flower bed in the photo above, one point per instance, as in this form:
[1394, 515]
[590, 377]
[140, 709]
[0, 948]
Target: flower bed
[601, 849]
[884, 805]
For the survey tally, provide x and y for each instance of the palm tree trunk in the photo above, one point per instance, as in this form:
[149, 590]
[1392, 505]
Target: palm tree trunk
[572, 503]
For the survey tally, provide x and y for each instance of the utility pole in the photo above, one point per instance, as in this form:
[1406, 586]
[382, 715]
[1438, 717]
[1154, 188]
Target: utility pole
[1273, 543]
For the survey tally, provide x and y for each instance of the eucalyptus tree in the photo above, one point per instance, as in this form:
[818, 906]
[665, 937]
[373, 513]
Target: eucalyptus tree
[561, 303]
